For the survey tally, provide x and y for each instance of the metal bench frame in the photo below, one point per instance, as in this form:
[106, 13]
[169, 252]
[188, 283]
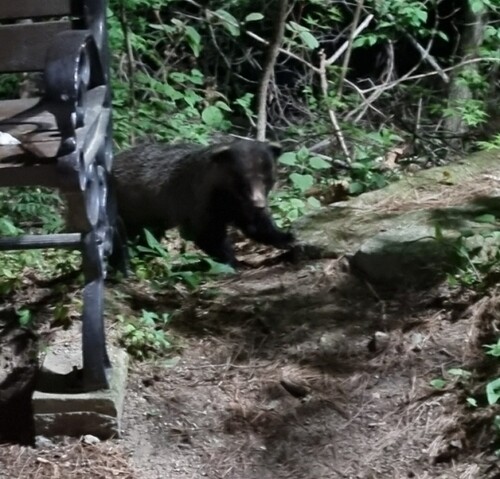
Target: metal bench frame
[66, 143]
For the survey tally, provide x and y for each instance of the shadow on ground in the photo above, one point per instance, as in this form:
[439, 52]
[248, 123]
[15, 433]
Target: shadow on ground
[306, 372]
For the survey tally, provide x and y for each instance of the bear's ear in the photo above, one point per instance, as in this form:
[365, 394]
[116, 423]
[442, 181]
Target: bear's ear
[221, 153]
[276, 149]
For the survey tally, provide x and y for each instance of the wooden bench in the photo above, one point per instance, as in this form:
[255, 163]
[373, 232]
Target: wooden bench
[65, 142]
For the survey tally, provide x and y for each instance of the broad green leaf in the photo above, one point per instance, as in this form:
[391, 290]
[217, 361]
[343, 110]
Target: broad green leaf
[197, 77]
[212, 116]
[129, 328]
[223, 106]
[357, 165]
[472, 402]
[24, 316]
[219, 268]
[355, 188]
[477, 6]
[319, 163]
[367, 40]
[493, 391]
[462, 373]
[486, 218]
[438, 383]
[493, 349]
[229, 22]
[313, 202]
[171, 92]
[302, 182]
[302, 154]
[191, 279]
[7, 227]
[289, 158]
[194, 40]
[309, 40]
[296, 27]
[254, 17]
[297, 203]
[151, 240]
[421, 15]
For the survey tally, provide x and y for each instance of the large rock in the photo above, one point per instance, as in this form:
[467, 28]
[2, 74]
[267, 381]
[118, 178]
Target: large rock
[409, 230]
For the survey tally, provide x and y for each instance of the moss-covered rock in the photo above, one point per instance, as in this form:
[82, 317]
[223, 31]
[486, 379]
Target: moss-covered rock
[409, 230]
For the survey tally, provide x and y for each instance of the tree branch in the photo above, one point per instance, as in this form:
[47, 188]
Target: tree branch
[272, 54]
[347, 57]
[333, 118]
[344, 46]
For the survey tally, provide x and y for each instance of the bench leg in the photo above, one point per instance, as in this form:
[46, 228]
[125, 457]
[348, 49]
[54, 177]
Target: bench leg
[96, 363]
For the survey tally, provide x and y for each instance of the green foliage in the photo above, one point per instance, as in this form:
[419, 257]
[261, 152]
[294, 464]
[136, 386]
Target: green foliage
[477, 256]
[305, 171]
[7, 227]
[12, 268]
[493, 391]
[25, 317]
[471, 111]
[489, 396]
[305, 168]
[489, 48]
[9, 85]
[158, 94]
[492, 144]
[411, 16]
[493, 349]
[459, 373]
[453, 375]
[145, 336]
[14, 265]
[30, 209]
[184, 71]
[480, 6]
[438, 383]
[493, 388]
[366, 173]
[288, 207]
[302, 35]
[154, 263]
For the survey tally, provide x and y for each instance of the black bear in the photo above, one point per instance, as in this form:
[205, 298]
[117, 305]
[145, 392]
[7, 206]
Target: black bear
[201, 190]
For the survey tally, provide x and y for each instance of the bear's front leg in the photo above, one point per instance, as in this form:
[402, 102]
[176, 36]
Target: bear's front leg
[263, 230]
[213, 240]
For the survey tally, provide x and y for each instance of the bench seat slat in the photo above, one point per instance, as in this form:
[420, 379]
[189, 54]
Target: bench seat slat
[22, 118]
[18, 155]
[29, 121]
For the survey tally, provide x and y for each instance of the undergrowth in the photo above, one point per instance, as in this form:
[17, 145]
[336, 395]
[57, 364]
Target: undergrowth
[476, 268]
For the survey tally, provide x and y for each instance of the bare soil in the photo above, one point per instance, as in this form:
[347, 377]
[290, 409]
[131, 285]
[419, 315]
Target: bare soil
[303, 372]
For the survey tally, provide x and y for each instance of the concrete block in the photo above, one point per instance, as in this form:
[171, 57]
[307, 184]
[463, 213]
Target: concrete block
[97, 413]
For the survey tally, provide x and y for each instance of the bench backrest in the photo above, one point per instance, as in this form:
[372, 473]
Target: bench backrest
[24, 44]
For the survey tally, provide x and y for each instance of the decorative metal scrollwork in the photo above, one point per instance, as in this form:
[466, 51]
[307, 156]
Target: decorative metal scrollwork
[78, 90]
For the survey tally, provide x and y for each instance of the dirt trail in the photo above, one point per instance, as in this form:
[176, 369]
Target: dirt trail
[302, 372]
[307, 372]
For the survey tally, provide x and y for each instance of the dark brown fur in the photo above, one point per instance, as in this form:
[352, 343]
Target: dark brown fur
[201, 190]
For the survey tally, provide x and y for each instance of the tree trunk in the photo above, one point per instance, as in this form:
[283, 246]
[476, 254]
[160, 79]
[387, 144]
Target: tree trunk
[459, 91]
